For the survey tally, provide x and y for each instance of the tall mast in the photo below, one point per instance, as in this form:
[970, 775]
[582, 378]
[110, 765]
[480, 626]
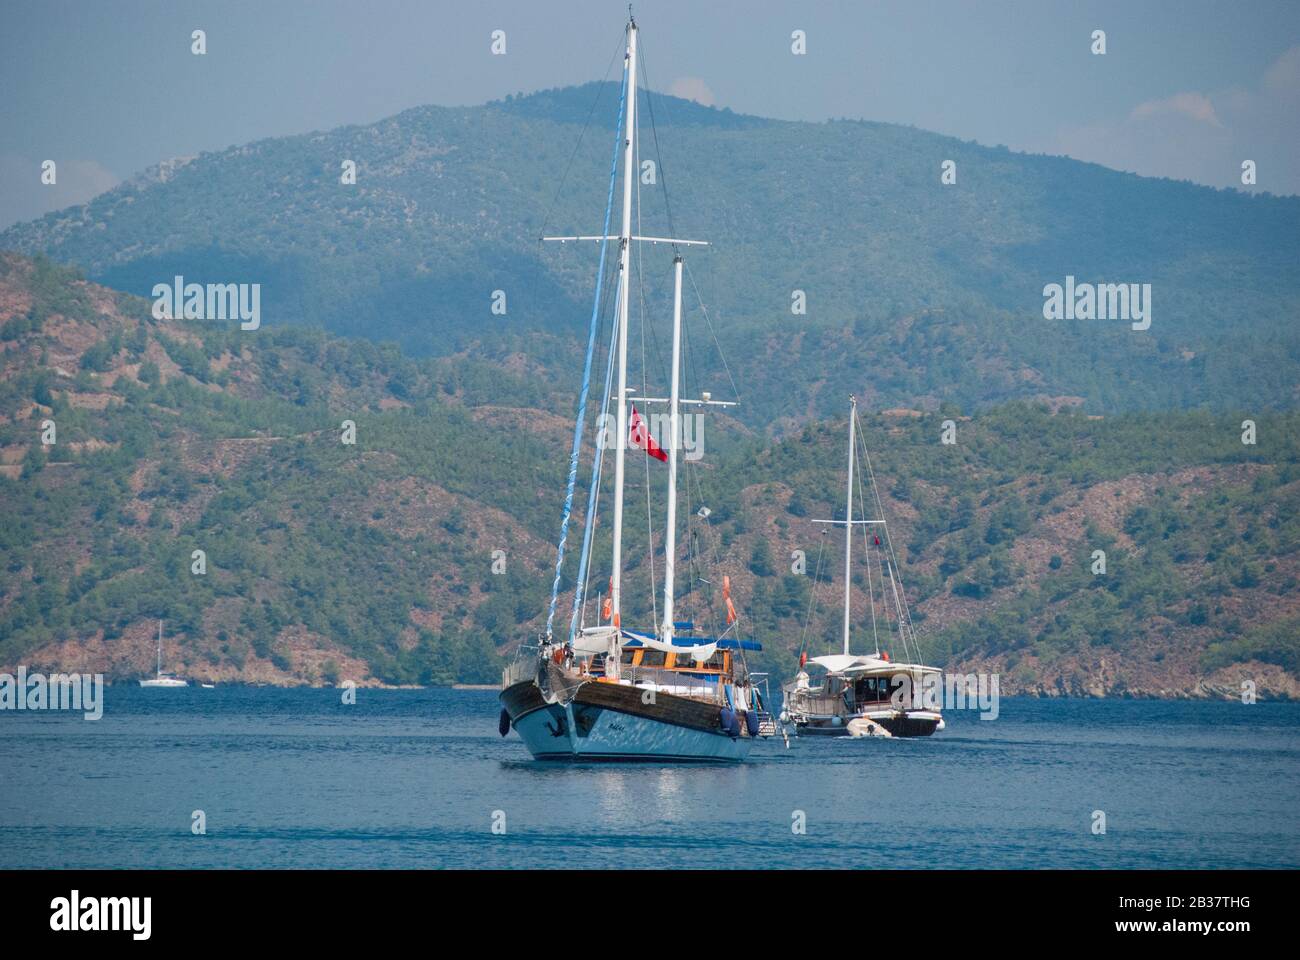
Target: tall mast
[670, 538]
[160, 648]
[848, 523]
[624, 268]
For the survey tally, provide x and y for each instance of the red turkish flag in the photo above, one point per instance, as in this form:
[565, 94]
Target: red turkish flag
[639, 437]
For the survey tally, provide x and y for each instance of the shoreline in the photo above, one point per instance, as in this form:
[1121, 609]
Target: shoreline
[1208, 695]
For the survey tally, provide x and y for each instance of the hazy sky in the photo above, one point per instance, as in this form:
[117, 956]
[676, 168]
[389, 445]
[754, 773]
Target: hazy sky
[1187, 89]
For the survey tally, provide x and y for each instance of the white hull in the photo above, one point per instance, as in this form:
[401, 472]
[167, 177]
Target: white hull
[909, 723]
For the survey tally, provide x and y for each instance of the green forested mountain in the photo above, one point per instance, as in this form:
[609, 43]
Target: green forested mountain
[321, 555]
[373, 561]
[917, 292]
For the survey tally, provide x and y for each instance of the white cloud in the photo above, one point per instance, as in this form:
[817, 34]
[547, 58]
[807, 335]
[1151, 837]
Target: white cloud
[1204, 136]
[692, 88]
[1283, 78]
[1193, 105]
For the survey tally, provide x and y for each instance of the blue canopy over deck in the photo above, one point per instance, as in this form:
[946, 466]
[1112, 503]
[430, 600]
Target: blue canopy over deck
[725, 643]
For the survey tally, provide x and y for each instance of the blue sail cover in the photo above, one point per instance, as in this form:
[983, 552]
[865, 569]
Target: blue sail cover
[586, 385]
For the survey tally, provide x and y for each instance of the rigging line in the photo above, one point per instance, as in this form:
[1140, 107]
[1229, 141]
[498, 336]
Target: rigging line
[663, 182]
[697, 546]
[812, 595]
[861, 444]
[707, 546]
[583, 581]
[650, 543]
[575, 453]
[707, 551]
[713, 544]
[695, 560]
[905, 620]
[693, 380]
[654, 132]
[898, 603]
[694, 565]
[693, 541]
[688, 595]
[871, 591]
[600, 87]
[645, 391]
[611, 289]
[688, 355]
[690, 372]
[640, 279]
[697, 473]
[705, 310]
[697, 382]
[862, 506]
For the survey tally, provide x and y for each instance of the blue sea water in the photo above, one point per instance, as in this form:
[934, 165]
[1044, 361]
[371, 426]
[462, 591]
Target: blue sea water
[295, 778]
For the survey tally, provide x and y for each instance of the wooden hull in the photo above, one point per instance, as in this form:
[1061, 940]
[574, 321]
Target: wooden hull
[612, 722]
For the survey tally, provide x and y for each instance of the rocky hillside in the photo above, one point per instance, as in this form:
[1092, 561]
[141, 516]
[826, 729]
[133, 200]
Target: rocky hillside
[366, 560]
[374, 561]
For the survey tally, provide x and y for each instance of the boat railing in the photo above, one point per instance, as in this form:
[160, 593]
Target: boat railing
[680, 683]
[519, 670]
[698, 685]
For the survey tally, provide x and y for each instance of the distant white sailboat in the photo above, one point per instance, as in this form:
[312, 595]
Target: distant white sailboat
[163, 679]
[867, 695]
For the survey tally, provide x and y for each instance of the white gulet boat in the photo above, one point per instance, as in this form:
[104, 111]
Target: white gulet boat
[846, 694]
[607, 692]
[163, 679]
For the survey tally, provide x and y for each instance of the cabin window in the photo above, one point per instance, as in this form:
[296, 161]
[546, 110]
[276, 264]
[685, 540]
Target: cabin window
[715, 663]
[873, 688]
[653, 658]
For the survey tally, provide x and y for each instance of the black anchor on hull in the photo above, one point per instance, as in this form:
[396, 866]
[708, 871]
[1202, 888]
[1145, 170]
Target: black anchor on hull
[558, 728]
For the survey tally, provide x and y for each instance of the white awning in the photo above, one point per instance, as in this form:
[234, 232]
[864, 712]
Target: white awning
[840, 663]
[698, 652]
[593, 640]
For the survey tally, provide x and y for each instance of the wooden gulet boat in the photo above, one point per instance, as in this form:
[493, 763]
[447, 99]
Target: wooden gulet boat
[864, 695]
[606, 692]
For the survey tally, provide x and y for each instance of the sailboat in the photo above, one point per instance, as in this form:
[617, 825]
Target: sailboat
[856, 695]
[162, 679]
[605, 691]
